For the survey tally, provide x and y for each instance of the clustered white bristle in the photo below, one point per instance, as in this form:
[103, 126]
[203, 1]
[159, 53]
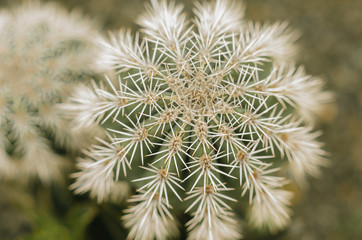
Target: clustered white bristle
[44, 53]
[198, 104]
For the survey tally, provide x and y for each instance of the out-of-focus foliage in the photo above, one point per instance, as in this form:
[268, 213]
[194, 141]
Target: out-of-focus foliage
[72, 226]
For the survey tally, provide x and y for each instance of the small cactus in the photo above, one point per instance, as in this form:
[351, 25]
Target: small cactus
[199, 111]
[44, 53]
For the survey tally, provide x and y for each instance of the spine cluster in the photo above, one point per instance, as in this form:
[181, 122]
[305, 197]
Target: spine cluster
[44, 53]
[199, 110]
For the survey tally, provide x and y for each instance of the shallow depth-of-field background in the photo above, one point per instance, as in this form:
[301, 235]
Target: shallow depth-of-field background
[331, 47]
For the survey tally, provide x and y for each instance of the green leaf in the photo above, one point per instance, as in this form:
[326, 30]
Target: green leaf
[78, 218]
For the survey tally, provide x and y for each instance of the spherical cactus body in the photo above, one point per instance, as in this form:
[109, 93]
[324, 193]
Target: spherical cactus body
[203, 112]
[44, 53]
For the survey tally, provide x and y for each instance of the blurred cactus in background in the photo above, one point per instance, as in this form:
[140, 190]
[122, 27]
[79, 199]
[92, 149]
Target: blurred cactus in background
[204, 111]
[44, 53]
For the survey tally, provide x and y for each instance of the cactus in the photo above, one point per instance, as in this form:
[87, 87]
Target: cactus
[205, 112]
[44, 53]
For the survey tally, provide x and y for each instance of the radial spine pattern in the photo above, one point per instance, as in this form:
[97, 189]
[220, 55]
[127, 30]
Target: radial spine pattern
[200, 109]
[44, 53]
